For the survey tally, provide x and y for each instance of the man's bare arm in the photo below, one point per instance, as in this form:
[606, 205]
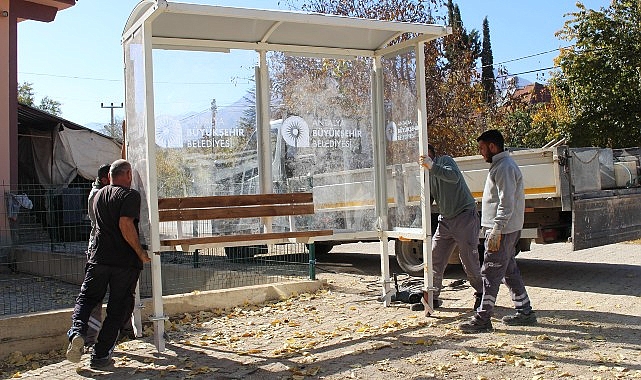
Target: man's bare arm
[128, 230]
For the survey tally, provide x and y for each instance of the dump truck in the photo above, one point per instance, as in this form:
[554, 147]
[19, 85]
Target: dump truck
[585, 196]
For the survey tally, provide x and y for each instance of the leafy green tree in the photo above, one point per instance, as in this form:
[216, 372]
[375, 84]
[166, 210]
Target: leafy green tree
[26, 95]
[51, 106]
[600, 74]
[487, 65]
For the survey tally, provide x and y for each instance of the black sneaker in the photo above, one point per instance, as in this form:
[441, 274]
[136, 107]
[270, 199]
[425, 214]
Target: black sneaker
[97, 362]
[477, 302]
[520, 319]
[475, 325]
[76, 348]
[125, 335]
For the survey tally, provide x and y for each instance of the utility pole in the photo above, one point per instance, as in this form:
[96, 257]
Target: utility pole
[112, 110]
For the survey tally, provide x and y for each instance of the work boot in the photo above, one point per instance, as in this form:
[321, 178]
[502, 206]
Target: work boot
[76, 348]
[520, 319]
[475, 325]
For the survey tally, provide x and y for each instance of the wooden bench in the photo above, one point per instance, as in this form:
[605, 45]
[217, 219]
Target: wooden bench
[236, 207]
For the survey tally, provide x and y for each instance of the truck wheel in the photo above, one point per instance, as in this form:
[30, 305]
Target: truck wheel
[409, 255]
[320, 249]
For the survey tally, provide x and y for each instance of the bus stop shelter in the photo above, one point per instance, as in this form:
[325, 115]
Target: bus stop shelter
[161, 25]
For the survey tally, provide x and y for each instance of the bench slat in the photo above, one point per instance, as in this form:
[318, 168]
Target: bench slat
[245, 237]
[234, 200]
[234, 212]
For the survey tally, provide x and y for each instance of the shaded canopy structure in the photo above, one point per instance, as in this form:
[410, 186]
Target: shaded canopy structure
[53, 151]
[160, 24]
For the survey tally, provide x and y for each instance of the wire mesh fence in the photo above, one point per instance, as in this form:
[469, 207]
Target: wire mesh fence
[43, 254]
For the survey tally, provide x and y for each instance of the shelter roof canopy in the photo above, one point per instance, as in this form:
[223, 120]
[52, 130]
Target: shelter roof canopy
[206, 27]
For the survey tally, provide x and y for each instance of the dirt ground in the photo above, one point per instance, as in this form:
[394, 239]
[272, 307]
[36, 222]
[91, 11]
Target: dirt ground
[588, 305]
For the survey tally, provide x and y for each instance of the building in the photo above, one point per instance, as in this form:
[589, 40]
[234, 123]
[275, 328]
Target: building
[11, 13]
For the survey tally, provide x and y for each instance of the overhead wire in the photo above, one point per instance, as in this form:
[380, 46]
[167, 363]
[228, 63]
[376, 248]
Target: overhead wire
[249, 82]
[120, 80]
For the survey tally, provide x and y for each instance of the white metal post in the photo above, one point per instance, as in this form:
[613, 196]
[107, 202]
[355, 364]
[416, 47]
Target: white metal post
[152, 191]
[380, 180]
[263, 130]
[262, 125]
[428, 274]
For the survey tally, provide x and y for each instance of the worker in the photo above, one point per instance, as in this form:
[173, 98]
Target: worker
[458, 223]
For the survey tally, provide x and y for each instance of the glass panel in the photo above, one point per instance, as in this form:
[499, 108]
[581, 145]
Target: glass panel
[401, 132]
[205, 111]
[136, 137]
[205, 123]
[323, 138]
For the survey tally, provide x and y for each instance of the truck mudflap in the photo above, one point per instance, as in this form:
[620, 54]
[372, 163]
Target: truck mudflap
[599, 220]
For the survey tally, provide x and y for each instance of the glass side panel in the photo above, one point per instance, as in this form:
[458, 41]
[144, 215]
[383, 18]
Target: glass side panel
[323, 138]
[401, 132]
[205, 110]
[136, 133]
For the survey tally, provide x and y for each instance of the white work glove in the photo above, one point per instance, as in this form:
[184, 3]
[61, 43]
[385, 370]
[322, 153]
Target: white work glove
[493, 239]
[426, 162]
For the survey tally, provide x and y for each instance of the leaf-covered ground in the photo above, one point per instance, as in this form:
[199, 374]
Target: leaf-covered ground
[588, 329]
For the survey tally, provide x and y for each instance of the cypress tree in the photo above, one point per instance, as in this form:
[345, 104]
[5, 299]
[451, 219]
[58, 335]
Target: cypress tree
[487, 63]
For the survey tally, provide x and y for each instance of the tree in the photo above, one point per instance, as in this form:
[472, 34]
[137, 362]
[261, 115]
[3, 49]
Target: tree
[460, 46]
[114, 130]
[51, 106]
[174, 177]
[455, 108]
[459, 109]
[487, 65]
[26, 95]
[600, 76]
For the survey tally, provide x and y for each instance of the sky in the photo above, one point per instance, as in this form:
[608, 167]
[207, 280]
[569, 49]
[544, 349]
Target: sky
[77, 59]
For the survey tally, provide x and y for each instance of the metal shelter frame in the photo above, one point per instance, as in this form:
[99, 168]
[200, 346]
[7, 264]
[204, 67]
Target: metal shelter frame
[160, 24]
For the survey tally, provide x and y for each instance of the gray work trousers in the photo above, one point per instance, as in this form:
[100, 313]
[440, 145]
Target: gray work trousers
[461, 230]
[500, 267]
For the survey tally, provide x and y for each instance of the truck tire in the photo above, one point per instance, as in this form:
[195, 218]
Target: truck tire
[409, 255]
[320, 249]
